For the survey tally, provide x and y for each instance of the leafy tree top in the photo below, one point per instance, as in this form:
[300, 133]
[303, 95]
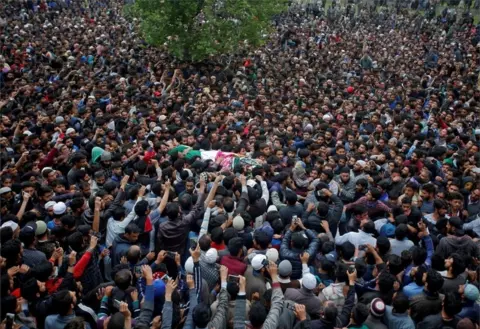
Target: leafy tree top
[196, 29]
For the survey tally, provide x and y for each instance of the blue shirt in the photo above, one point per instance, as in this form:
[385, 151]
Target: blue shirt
[427, 207]
[412, 289]
[57, 321]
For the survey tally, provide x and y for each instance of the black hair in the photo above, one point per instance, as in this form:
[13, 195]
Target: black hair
[369, 227]
[44, 189]
[117, 321]
[418, 278]
[429, 188]
[6, 234]
[118, 213]
[228, 204]
[360, 313]
[141, 208]
[123, 279]
[347, 249]
[376, 193]
[258, 314]
[434, 281]
[201, 315]
[77, 203]
[401, 303]
[383, 245]
[439, 204]
[75, 241]
[185, 201]
[291, 197]
[330, 312]
[228, 234]
[328, 247]
[322, 209]
[233, 289]
[235, 245]
[8, 305]
[406, 200]
[262, 239]
[358, 209]
[141, 167]
[395, 264]
[10, 251]
[401, 232]
[68, 221]
[385, 282]
[77, 157]
[204, 242]
[452, 304]
[42, 271]
[341, 272]
[132, 228]
[458, 266]
[156, 188]
[62, 302]
[419, 255]
[172, 210]
[217, 235]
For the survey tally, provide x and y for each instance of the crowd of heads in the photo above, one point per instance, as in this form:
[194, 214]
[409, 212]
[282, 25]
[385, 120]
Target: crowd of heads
[330, 178]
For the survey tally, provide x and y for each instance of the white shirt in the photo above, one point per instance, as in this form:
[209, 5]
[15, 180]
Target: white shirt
[356, 238]
[115, 228]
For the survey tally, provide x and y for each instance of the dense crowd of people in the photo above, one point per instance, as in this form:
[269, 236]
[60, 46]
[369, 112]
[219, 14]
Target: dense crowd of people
[328, 179]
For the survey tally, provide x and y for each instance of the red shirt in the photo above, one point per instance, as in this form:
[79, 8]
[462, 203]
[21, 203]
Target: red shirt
[235, 265]
[218, 246]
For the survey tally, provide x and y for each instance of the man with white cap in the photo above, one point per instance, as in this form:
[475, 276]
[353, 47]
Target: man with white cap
[49, 209]
[306, 295]
[59, 209]
[254, 274]
[14, 226]
[358, 170]
[209, 267]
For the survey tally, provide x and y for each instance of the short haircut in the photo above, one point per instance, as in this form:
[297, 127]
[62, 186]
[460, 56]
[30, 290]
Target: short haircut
[434, 281]
[360, 313]
[62, 302]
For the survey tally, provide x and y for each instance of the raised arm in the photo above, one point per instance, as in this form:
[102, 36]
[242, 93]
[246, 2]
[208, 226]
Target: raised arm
[193, 302]
[118, 202]
[240, 305]
[220, 318]
[242, 204]
[271, 321]
[146, 312]
[213, 191]
[167, 312]
[343, 318]
[206, 219]
[263, 184]
[96, 215]
[197, 274]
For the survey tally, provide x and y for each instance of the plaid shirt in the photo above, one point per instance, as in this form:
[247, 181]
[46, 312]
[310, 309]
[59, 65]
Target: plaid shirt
[209, 272]
[33, 257]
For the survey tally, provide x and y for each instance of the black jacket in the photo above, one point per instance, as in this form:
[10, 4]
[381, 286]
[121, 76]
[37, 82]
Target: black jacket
[293, 255]
[424, 305]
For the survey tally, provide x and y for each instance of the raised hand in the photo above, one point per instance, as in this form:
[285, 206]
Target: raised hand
[190, 281]
[300, 312]
[134, 295]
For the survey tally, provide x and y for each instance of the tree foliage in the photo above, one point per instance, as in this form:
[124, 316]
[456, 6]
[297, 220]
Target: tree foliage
[196, 29]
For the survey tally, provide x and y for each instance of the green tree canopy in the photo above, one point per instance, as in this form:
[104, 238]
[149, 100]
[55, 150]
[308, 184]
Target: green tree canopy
[195, 29]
